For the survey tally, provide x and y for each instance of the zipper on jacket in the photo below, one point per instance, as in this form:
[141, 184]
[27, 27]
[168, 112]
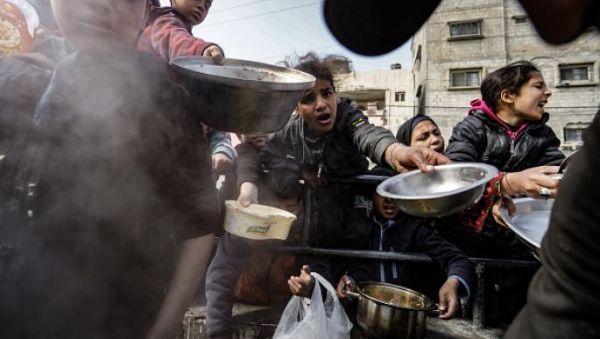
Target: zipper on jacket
[394, 269]
[512, 146]
[381, 263]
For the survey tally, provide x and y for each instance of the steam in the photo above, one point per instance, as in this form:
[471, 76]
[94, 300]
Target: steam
[116, 175]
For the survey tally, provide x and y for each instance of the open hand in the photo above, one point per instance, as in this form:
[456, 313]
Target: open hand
[403, 158]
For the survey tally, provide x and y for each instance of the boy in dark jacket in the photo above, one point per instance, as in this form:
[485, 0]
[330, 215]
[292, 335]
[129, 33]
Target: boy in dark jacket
[327, 138]
[125, 190]
[397, 232]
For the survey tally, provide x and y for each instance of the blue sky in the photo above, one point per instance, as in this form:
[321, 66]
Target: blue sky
[269, 30]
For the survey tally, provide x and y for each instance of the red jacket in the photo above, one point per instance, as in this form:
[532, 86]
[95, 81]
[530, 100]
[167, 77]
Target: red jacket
[169, 35]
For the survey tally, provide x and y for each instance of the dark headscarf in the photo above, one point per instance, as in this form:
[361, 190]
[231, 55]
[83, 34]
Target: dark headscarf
[404, 133]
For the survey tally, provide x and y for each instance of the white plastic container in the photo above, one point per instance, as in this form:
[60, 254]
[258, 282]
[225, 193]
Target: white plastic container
[258, 222]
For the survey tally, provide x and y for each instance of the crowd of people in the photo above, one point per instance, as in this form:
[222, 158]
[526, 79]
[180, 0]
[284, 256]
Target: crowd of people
[110, 175]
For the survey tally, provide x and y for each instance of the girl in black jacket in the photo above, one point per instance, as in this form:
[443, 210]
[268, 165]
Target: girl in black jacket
[507, 129]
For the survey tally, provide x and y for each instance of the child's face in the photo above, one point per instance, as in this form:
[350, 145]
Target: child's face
[528, 104]
[385, 208]
[259, 140]
[100, 26]
[195, 11]
[427, 134]
[318, 107]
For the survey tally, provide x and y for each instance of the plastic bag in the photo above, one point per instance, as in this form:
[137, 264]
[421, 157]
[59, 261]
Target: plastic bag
[314, 319]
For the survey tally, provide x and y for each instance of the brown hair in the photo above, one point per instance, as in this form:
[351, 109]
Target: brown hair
[321, 68]
[510, 77]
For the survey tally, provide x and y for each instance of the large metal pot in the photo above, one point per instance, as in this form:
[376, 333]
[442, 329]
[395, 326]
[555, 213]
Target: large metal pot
[391, 311]
[242, 96]
[444, 191]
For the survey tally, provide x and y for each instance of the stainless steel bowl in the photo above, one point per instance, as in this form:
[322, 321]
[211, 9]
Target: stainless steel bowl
[445, 191]
[242, 96]
[530, 221]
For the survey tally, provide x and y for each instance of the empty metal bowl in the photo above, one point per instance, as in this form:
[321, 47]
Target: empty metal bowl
[530, 222]
[242, 96]
[445, 191]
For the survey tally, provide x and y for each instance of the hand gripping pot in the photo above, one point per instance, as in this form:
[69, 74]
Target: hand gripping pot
[257, 222]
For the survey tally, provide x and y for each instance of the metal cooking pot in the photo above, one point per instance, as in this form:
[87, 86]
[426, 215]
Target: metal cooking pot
[391, 311]
[242, 96]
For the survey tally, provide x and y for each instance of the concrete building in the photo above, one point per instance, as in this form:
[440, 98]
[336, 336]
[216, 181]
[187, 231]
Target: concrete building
[466, 39]
[386, 96]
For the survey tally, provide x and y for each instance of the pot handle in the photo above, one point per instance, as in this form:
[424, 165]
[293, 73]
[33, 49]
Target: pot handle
[433, 310]
[351, 294]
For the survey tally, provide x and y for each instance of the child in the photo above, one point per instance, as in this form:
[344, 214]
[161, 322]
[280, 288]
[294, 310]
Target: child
[421, 131]
[327, 137]
[125, 188]
[507, 129]
[257, 283]
[168, 33]
[398, 232]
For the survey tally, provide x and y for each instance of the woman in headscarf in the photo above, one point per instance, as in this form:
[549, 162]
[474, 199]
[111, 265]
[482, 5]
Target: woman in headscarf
[421, 131]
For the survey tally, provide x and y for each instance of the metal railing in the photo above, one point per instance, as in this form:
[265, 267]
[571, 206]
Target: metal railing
[481, 264]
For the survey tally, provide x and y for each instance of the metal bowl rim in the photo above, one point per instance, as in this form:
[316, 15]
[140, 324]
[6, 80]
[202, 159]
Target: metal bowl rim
[428, 301]
[490, 170]
[507, 220]
[179, 62]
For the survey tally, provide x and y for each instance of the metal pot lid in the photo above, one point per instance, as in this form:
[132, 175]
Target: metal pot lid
[243, 73]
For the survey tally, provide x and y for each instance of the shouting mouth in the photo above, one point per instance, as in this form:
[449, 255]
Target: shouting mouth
[324, 119]
[541, 104]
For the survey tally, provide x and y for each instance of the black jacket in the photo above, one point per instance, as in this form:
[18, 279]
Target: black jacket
[481, 138]
[407, 234]
[342, 152]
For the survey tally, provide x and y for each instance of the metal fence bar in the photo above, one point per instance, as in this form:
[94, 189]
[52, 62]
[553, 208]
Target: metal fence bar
[479, 298]
[409, 257]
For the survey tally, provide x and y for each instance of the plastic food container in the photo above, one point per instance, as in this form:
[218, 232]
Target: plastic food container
[257, 222]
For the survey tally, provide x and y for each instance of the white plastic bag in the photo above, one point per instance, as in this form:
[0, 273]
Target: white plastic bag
[314, 319]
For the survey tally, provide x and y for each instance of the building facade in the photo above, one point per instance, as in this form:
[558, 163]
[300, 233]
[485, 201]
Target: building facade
[386, 96]
[464, 40]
